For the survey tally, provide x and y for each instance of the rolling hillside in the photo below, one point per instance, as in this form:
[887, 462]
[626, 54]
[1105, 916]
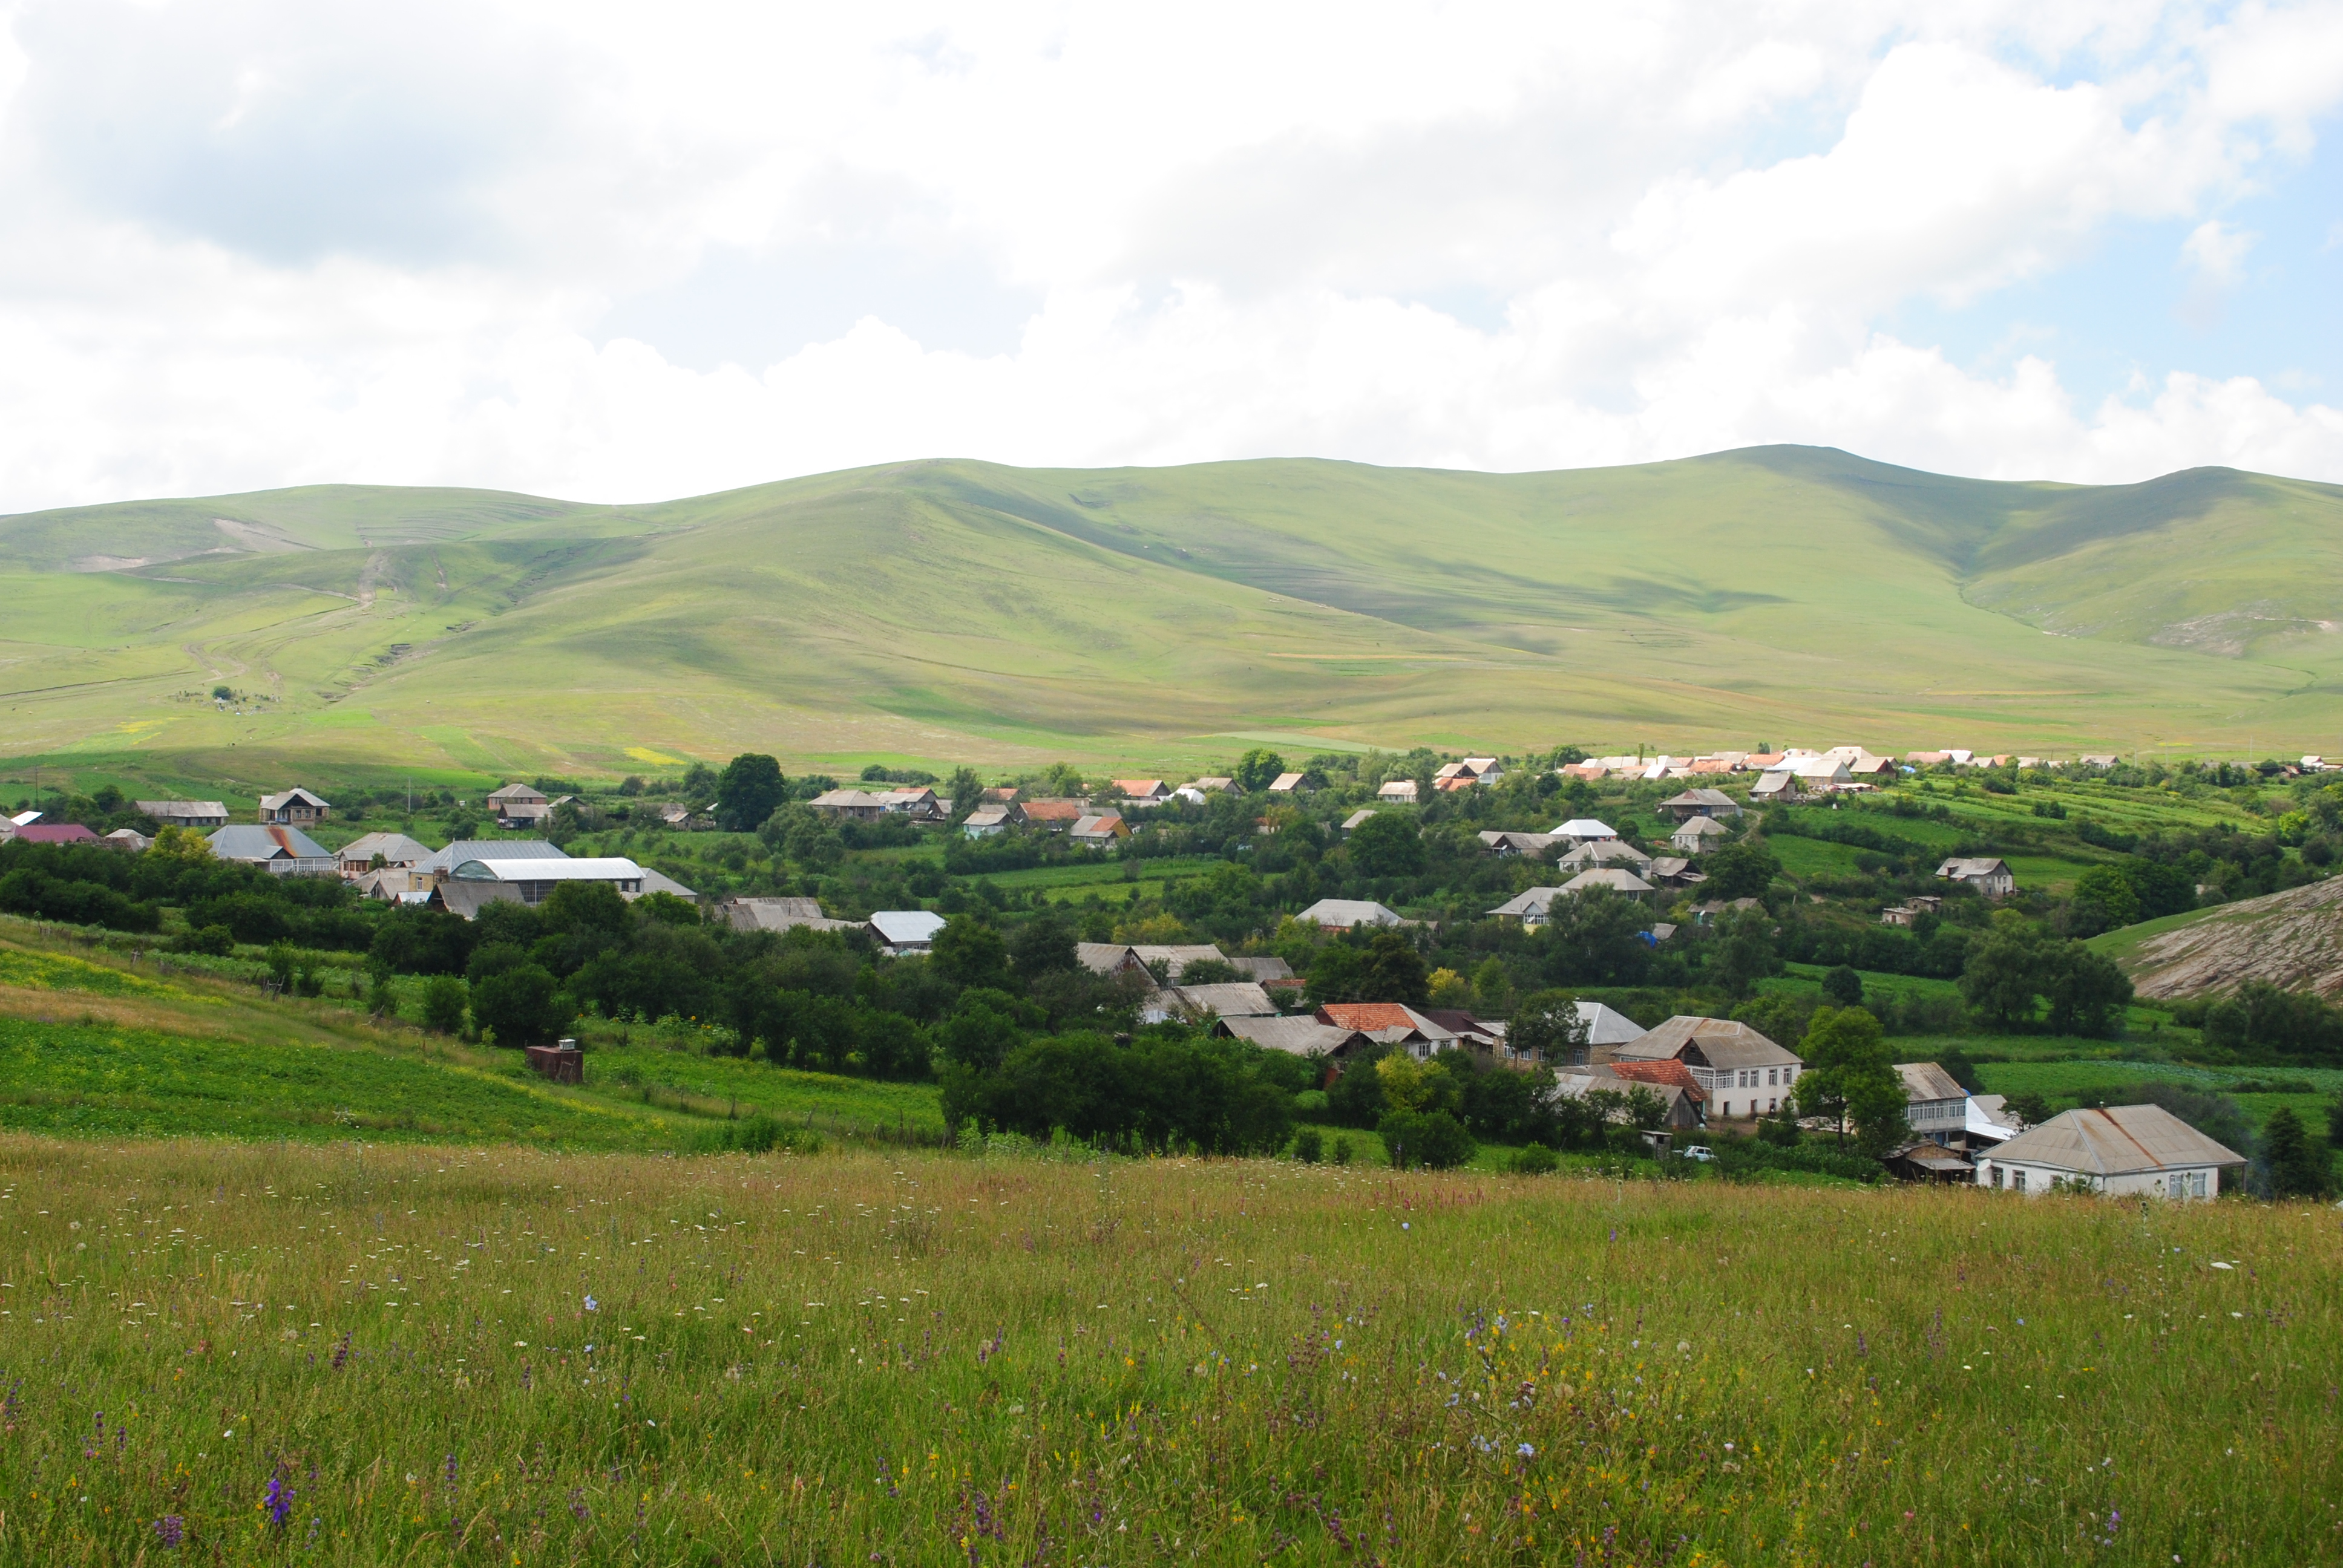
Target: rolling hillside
[944, 611]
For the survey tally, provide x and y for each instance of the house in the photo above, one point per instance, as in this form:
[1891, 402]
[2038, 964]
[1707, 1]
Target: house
[1779, 788]
[1101, 833]
[2119, 1150]
[1705, 912]
[1343, 914]
[1215, 784]
[287, 851]
[1287, 784]
[1476, 1034]
[1465, 775]
[1934, 1107]
[183, 813]
[1505, 846]
[1911, 909]
[1397, 791]
[1746, 1074]
[2103, 759]
[903, 932]
[1293, 1036]
[780, 915]
[1764, 761]
[1143, 791]
[850, 805]
[1819, 775]
[1351, 823]
[999, 795]
[395, 885]
[1701, 803]
[1618, 878]
[1601, 852]
[1927, 759]
[58, 833]
[1591, 772]
[1698, 835]
[1671, 1081]
[1056, 816]
[1987, 875]
[1265, 971]
[293, 809]
[1532, 908]
[1673, 871]
[675, 814]
[533, 878]
[397, 849]
[1389, 1023]
[656, 881]
[520, 806]
[992, 821]
[920, 804]
[128, 839]
[1585, 831]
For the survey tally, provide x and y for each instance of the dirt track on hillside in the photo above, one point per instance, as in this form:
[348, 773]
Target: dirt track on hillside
[2293, 940]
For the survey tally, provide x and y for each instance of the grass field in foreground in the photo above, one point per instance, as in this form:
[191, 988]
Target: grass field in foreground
[502, 1355]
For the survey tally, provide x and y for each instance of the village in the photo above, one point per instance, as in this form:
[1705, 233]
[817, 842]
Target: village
[1687, 1078]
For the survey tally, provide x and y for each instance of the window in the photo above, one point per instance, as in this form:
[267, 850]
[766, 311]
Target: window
[1772, 1077]
[2018, 1180]
[1996, 1175]
[2197, 1183]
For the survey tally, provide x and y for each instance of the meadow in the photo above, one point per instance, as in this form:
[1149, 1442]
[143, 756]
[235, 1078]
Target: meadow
[359, 1354]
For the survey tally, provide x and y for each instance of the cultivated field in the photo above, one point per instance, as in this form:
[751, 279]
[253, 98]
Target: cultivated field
[360, 1354]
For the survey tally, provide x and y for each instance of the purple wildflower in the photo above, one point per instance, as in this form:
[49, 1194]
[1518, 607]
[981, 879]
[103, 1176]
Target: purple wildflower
[578, 1503]
[592, 1305]
[171, 1530]
[278, 1502]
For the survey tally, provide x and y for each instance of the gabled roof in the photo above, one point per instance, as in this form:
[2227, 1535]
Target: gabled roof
[1142, 789]
[1926, 1080]
[1978, 866]
[1212, 782]
[848, 800]
[1268, 967]
[1602, 851]
[1384, 1021]
[62, 833]
[1284, 782]
[1701, 796]
[1584, 828]
[1293, 1036]
[180, 808]
[1701, 827]
[1105, 823]
[278, 802]
[988, 817]
[1520, 906]
[252, 841]
[520, 792]
[1357, 817]
[1225, 998]
[2117, 1140]
[1056, 810]
[778, 915]
[463, 849]
[1719, 1042]
[1668, 1070]
[660, 883]
[1605, 1026]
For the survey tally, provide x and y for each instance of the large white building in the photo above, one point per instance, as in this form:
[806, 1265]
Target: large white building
[2118, 1149]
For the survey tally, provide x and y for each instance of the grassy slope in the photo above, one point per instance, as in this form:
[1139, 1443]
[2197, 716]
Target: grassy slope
[940, 611]
[96, 1045]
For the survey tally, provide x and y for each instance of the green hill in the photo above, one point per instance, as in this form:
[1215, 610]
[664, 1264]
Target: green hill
[947, 611]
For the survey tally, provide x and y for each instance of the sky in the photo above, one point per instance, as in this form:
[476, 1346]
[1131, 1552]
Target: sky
[616, 252]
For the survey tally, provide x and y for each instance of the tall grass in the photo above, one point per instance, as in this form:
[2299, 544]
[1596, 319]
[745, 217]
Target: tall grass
[505, 1355]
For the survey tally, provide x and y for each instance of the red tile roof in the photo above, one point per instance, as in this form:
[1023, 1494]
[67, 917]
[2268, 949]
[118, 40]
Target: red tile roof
[1366, 1015]
[1670, 1071]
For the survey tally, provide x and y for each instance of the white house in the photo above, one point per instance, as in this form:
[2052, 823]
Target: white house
[1746, 1074]
[1398, 791]
[1991, 877]
[1698, 835]
[2119, 1149]
[1586, 829]
[1533, 909]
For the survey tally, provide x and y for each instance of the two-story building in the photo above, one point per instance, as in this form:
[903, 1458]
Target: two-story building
[293, 809]
[1745, 1074]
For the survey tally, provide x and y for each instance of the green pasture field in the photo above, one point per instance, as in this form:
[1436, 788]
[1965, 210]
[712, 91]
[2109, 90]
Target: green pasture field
[496, 1353]
[948, 612]
[2062, 1083]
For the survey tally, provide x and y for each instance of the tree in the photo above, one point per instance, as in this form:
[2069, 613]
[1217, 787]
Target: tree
[522, 1004]
[1844, 986]
[1850, 1078]
[443, 1004]
[1596, 938]
[1395, 970]
[1433, 1139]
[2160, 889]
[2086, 991]
[1387, 844]
[970, 953]
[1744, 869]
[1746, 954]
[749, 789]
[175, 843]
[1548, 1028]
[1041, 944]
[2103, 898]
[2029, 1108]
[1337, 972]
[981, 1031]
[966, 793]
[1258, 769]
[2003, 973]
[2297, 1167]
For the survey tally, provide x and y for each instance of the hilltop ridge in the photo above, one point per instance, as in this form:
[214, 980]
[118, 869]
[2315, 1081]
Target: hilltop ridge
[949, 609]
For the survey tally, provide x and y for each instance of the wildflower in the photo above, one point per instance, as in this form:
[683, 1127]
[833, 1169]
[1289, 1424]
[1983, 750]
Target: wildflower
[1527, 1451]
[278, 1502]
[592, 1305]
[171, 1530]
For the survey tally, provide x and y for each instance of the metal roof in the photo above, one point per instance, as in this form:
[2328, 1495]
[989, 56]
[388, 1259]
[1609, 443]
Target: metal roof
[537, 869]
[1926, 1080]
[252, 841]
[898, 928]
[2116, 1140]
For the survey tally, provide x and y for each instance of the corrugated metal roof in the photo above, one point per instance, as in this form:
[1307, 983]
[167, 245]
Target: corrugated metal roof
[1926, 1080]
[2116, 1140]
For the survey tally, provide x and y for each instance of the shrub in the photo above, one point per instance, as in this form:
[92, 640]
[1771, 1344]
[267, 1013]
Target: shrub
[1308, 1146]
[1432, 1139]
[1535, 1160]
[443, 1004]
[1341, 1153]
[217, 941]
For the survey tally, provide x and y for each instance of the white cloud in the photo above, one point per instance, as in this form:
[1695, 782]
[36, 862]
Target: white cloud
[511, 245]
